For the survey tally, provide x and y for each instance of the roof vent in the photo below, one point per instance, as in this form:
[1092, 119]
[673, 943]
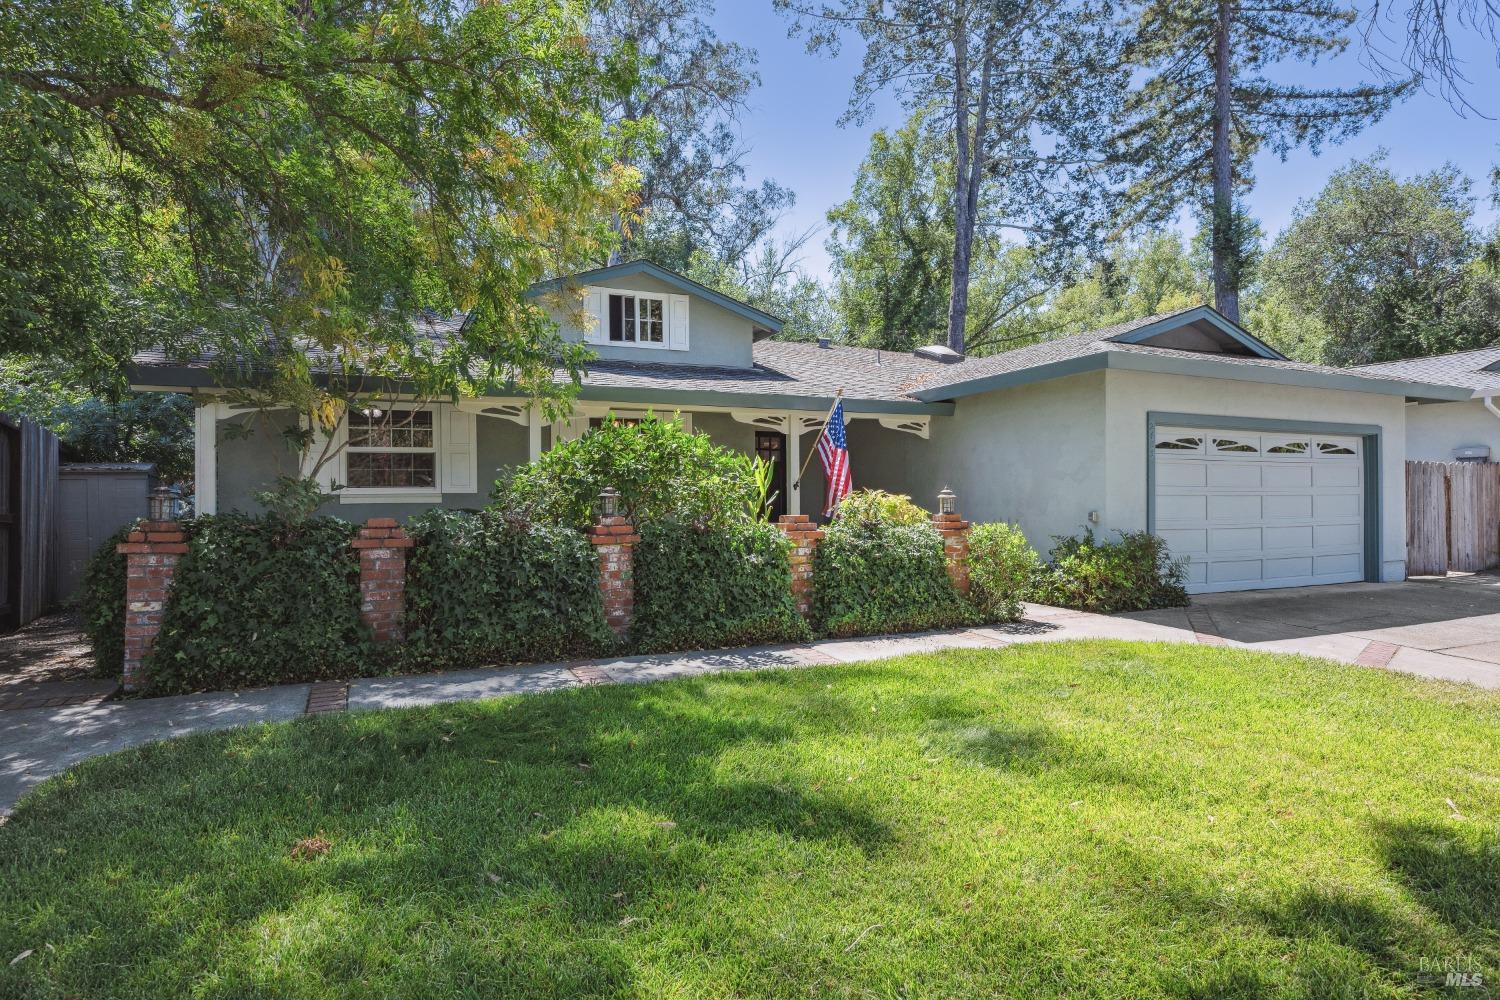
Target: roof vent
[825, 343]
[938, 352]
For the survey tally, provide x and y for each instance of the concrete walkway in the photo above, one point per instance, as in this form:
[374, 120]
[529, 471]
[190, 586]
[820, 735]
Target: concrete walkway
[36, 743]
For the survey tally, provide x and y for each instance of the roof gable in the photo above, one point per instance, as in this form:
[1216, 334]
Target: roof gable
[765, 324]
[1200, 330]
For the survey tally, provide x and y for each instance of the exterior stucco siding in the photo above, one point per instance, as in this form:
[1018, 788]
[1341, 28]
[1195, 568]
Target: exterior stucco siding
[1434, 430]
[1033, 456]
[1130, 396]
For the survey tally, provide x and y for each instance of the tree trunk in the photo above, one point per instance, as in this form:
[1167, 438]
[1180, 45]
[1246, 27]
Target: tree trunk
[969, 166]
[1225, 252]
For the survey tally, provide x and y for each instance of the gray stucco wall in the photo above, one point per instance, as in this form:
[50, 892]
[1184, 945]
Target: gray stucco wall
[248, 465]
[716, 336]
[1433, 430]
[1033, 456]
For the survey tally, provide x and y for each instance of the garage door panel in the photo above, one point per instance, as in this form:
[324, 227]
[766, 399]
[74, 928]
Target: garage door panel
[1182, 473]
[1328, 506]
[1234, 540]
[1182, 508]
[1349, 562]
[1345, 474]
[1291, 568]
[1235, 571]
[1185, 539]
[1262, 511]
[1234, 475]
[1292, 536]
[1286, 475]
[1288, 505]
[1329, 536]
[1234, 507]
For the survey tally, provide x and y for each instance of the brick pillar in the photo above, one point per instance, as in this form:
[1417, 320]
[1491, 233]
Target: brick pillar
[614, 538]
[804, 536]
[151, 552]
[955, 532]
[382, 545]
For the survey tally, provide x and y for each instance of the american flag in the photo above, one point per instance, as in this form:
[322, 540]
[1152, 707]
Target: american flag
[833, 450]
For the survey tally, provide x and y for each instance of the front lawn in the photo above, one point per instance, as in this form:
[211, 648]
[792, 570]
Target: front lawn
[1102, 819]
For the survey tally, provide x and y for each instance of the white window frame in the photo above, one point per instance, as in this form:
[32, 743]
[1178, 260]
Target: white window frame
[397, 494]
[666, 319]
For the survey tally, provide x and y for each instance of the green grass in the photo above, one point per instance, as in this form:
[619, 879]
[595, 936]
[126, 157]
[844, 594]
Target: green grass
[1082, 819]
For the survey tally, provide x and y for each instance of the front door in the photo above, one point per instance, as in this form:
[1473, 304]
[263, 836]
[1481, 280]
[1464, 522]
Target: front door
[771, 446]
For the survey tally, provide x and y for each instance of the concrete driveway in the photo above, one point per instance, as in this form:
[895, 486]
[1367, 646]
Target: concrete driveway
[1439, 627]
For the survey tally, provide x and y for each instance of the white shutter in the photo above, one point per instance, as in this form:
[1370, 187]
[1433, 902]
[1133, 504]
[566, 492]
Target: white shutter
[677, 322]
[332, 471]
[459, 454]
[593, 307]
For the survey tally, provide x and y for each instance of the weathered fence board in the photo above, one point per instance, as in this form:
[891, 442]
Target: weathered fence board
[1452, 517]
[1426, 519]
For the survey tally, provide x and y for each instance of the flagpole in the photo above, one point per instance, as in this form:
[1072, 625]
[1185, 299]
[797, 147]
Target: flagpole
[793, 429]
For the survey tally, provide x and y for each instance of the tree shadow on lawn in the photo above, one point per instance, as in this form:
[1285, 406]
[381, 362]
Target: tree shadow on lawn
[557, 811]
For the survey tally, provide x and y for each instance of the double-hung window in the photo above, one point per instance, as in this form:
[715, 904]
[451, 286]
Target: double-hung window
[391, 449]
[637, 319]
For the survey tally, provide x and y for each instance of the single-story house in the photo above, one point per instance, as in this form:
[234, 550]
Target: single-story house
[1466, 430]
[1262, 471]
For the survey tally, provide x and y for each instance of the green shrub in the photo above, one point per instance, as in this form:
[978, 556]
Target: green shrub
[1135, 573]
[486, 588]
[260, 600]
[1002, 567]
[871, 577]
[705, 587]
[878, 506]
[660, 469]
[101, 605]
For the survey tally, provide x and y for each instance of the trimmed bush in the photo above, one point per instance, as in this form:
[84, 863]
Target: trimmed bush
[1002, 568]
[878, 506]
[708, 587]
[660, 469]
[261, 600]
[1135, 573]
[487, 588]
[101, 605]
[871, 577]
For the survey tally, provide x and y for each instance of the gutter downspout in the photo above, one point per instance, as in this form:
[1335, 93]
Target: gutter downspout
[1489, 404]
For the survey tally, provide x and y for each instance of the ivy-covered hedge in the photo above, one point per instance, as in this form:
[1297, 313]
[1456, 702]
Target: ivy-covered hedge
[708, 587]
[101, 605]
[1132, 573]
[873, 576]
[261, 600]
[485, 588]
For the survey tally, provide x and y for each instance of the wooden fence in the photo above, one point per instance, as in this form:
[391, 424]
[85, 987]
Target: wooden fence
[1452, 517]
[28, 488]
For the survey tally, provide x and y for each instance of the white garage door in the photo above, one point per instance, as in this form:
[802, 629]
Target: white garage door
[1260, 510]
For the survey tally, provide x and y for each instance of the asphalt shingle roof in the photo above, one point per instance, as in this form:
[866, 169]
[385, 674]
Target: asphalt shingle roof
[1465, 368]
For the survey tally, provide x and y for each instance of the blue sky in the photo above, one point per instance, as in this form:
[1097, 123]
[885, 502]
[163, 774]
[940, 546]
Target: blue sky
[793, 134]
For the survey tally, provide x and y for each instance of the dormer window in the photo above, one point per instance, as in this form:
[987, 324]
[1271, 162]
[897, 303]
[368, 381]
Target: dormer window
[637, 319]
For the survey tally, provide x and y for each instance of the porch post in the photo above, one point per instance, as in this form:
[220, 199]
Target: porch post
[206, 458]
[533, 433]
[793, 464]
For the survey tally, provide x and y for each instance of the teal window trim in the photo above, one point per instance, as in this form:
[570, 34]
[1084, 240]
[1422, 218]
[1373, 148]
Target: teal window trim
[1370, 439]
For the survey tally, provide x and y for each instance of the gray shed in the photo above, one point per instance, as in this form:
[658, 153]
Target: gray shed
[94, 499]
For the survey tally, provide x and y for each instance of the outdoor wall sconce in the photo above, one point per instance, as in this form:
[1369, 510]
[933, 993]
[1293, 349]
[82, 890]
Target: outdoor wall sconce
[609, 501]
[947, 501]
[159, 503]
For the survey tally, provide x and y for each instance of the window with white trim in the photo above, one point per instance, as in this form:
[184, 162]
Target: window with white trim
[637, 318]
[391, 449]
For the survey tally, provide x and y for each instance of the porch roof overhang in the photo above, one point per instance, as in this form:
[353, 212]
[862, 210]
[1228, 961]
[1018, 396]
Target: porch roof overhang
[187, 378]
